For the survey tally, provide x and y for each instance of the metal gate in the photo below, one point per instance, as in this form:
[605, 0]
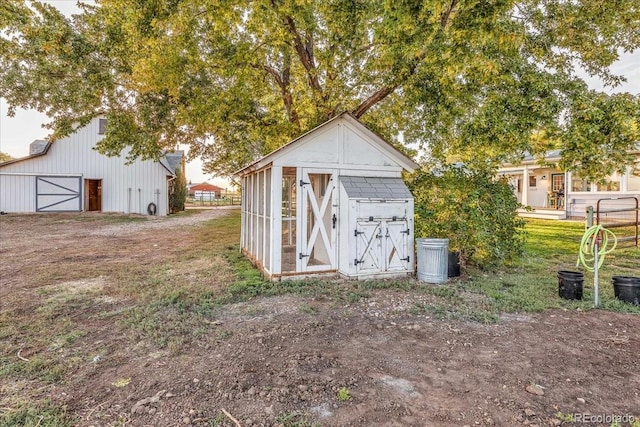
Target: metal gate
[58, 193]
[625, 217]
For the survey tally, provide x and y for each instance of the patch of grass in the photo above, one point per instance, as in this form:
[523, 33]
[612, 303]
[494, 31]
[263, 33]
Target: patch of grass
[294, 419]
[344, 394]
[34, 414]
[35, 367]
[531, 284]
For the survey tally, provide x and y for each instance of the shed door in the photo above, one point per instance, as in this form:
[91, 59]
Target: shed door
[382, 237]
[58, 194]
[368, 237]
[318, 220]
[396, 248]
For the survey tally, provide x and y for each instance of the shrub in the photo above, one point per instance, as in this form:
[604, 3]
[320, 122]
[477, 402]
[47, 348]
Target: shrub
[178, 192]
[473, 209]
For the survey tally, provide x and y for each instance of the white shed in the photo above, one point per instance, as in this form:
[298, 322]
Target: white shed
[68, 175]
[329, 202]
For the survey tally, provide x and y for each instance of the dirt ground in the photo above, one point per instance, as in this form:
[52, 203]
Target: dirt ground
[292, 360]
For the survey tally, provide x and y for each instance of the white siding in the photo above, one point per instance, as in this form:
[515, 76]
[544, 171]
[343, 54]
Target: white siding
[340, 144]
[74, 155]
[17, 193]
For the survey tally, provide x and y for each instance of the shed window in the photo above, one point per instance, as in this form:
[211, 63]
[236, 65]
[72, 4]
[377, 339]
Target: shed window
[533, 180]
[102, 126]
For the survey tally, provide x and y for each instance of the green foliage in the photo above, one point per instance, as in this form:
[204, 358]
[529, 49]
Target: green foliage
[476, 212]
[470, 80]
[39, 414]
[599, 134]
[344, 394]
[178, 192]
[4, 157]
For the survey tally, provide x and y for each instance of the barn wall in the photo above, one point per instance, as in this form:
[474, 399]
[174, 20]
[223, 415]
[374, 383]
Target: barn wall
[17, 193]
[74, 155]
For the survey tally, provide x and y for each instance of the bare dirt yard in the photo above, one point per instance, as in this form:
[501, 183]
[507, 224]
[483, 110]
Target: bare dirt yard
[107, 320]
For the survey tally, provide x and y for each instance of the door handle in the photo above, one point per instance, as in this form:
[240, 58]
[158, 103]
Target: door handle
[334, 219]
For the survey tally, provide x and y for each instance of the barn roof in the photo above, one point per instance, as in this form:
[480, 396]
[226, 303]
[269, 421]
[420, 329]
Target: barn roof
[392, 152]
[204, 186]
[172, 160]
[37, 148]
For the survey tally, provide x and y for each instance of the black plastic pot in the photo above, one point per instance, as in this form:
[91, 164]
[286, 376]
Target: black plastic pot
[570, 284]
[627, 288]
[454, 264]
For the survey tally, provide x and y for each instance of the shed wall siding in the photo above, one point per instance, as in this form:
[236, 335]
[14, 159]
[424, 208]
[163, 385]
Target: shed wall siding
[341, 146]
[74, 155]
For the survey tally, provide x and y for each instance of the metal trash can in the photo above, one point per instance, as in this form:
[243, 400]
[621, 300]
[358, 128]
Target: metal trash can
[433, 260]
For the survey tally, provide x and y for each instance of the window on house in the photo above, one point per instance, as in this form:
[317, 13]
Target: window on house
[580, 184]
[102, 126]
[611, 184]
[533, 180]
[633, 183]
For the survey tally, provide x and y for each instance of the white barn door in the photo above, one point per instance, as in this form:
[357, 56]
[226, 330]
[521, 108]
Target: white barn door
[368, 235]
[317, 236]
[58, 194]
[397, 245]
[382, 238]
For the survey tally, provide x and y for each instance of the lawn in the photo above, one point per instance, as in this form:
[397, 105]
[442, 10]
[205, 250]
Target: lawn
[530, 284]
[105, 299]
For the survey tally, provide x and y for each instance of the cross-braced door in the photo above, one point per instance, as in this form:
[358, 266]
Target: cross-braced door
[368, 240]
[382, 238]
[318, 220]
[396, 248]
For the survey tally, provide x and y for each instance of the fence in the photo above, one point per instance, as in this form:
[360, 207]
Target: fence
[222, 201]
[621, 213]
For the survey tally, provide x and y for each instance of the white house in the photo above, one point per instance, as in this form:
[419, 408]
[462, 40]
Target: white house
[554, 193]
[330, 202]
[68, 175]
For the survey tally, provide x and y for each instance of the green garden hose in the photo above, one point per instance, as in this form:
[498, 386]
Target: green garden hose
[586, 255]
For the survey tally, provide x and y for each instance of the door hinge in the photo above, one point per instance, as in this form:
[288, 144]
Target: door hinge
[408, 259]
[356, 262]
[303, 183]
[301, 255]
[407, 231]
[356, 232]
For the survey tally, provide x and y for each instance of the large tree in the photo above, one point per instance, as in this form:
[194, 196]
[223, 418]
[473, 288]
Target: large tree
[481, 81]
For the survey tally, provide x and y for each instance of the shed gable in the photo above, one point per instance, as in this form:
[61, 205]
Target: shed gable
[341, 142]
[337, 143]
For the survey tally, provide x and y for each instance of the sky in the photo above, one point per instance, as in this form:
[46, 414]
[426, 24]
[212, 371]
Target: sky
[16, 133]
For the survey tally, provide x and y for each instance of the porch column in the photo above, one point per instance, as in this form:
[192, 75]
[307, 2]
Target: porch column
[525, 185]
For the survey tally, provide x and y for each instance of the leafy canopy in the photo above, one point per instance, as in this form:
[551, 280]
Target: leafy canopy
[477, 81]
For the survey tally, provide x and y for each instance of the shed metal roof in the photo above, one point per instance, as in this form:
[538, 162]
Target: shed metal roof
[360, 187]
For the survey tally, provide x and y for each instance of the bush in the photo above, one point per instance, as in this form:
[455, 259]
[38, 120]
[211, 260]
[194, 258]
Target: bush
[178, 192]
[473, 209]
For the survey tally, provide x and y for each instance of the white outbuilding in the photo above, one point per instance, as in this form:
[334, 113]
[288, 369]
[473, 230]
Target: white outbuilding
[331, 202]
[69, 175]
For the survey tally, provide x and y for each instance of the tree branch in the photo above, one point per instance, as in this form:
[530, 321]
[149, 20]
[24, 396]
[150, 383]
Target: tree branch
[304, 49]
[283, 81]
[373, 100]
[446, 15]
